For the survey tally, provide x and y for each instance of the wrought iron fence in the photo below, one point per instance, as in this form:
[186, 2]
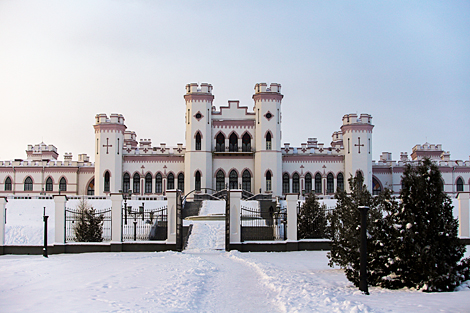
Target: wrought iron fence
[72, 217]
[144, 224]
[257, 224]
[315, 224]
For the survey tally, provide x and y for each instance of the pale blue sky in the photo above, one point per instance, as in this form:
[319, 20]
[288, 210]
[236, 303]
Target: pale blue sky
[406, 63]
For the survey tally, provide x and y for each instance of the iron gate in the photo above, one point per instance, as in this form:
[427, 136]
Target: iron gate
[144, 224]
[72, 217]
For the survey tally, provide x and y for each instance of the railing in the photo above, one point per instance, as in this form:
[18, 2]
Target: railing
[262, 225]
[72, 217]
[141, 224]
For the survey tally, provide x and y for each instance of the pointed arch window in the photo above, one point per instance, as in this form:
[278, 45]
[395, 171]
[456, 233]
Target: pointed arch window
[460, 184]
[126, 183]
[330, 185]
[148, 183]
[28, 184]
[295, 183]
[220, 143]
[90, 191]
[62, 184]
[158, 183]
[8, 184]
[308, 183]
[318, 187]
[219, 180]
[170, 183]
[268, 181]
[268, 141]
[285, 183]
[233, 180]
[136, 183]
[376, 188]
[181, 182]
[246, 180]
[340, 182]
[106, 181]
[198, 141]
[197, 181]
[233, 143]
[49, 185]
[246, 143]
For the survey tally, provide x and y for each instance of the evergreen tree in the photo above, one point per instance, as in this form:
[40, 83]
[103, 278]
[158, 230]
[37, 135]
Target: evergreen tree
[89, 227]
[428, 248]
[311, 219]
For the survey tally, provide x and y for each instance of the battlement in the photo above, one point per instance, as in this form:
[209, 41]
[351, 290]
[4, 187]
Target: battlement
[431, 151]
[263, 87]
[41, 152]
[194, 88]
[353, 119]
[113, 119]
[68, 157]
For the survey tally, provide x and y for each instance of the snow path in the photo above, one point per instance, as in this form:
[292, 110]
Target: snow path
[206, 236]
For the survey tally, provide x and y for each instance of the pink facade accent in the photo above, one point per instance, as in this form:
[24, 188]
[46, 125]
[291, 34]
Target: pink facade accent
[233, 123]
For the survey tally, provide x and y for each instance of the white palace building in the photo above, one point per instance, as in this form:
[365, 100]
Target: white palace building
[230, 147]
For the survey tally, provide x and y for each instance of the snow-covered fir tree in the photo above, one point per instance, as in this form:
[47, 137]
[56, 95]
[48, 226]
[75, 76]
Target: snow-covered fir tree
[311, 219]
[89, 227]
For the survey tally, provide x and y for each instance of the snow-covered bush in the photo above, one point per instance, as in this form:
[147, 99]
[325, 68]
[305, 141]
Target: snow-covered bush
[89, 226]
[311, 219]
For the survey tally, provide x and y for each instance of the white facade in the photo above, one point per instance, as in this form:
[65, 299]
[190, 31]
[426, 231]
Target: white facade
[232, 146]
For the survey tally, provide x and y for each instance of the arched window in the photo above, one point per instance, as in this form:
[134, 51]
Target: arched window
[126, 183]
[28, 184]
[8, 184]
[268, 181]
[181, 182]
[246, 143]
[136, 183]
[148, 183]
[330, 185]
[285, 183]
[220, 143]
[246, 180]
[460, 184]
[62, 184]
[106, 181]
[90, 190]
[219, 180]
[318, 188]
[197, 181]
[233, 180]
[170, 182]
[198, 141]
[340, 182]
[376, 188]
[295, 183]
[49, 185]
[158, 183]
[308, 183]
[359, 180]
[268, 141]
[233, 143]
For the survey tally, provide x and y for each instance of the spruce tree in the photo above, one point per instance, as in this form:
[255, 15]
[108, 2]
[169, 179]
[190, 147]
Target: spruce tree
[311, 219]
[89, 227]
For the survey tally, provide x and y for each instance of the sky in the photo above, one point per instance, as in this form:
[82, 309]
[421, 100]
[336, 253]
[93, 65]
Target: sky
[404, 62]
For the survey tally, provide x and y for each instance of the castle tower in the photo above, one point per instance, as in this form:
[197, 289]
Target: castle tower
[268, 156]
[109, 139]
[357, 142]
[198, 156]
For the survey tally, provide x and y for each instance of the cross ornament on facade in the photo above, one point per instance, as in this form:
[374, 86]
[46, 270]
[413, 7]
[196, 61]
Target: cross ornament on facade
[107, 145]
[359, 145]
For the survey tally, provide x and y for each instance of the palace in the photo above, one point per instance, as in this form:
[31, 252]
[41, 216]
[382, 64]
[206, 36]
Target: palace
[230, 147]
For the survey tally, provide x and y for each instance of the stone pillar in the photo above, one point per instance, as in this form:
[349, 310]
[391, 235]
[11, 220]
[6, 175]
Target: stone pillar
[463, 214]
[60, 202]
[116, 217]
[292, 216]
[171, 196]
[3, 202]
[235, 228]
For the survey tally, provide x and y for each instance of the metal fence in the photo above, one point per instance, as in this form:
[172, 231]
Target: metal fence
[144, 224]
[314, 225]
[72, 217]
[257, 224]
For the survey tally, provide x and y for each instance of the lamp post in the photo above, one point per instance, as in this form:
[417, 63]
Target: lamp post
[363, 286]
[44, 249]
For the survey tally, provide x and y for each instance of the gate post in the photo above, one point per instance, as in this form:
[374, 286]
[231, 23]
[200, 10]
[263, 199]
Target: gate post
[235, 197]
[171, 224]
[291, 200]
[59, 240]
[463, 214]
[116, 218]
[3, 202]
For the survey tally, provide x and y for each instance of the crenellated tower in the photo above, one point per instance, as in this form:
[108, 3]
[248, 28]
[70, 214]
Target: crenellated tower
[198, 156]
[357, 142]
[109, 139]
[268, 155]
